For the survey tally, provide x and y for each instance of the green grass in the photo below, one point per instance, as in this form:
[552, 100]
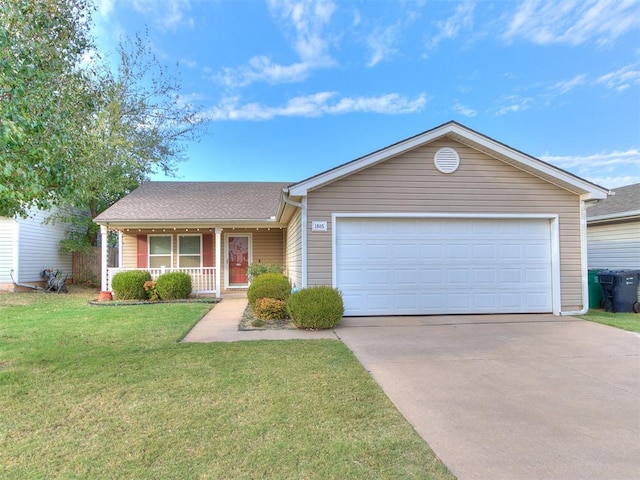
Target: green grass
[625, 321]
[109, 392]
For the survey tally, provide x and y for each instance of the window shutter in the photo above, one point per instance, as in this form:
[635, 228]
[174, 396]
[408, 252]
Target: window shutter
[142, 251]
[207, 250]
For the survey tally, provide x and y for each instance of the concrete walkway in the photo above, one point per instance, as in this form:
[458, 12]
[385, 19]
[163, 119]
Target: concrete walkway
[221, 325]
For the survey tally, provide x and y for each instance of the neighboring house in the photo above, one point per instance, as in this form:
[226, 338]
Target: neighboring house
[446, 222]
[28, 246]
[613, 231]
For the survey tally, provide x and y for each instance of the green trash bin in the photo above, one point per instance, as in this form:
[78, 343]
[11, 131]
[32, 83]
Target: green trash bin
[595, 290]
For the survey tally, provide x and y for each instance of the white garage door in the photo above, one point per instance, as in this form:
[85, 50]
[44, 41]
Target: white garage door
[409, 266]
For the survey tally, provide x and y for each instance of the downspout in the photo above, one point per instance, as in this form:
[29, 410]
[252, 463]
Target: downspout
[33, 287]
[303, 225]
[583, 263]
[288, 201]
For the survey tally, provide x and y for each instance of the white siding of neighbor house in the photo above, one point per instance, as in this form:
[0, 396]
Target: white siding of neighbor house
[39, 247]
[8, 229]
[410, 183]
[614, 246]
[294, 250]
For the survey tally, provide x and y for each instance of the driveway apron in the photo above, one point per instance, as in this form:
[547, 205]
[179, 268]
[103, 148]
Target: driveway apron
[511, 396]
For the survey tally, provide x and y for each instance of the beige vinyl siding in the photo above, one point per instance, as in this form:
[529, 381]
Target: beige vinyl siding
[410, 183]
[268, 246]
[294, 249]
[8, 232]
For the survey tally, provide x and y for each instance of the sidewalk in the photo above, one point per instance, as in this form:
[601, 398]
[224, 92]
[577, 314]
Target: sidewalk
[221, 325]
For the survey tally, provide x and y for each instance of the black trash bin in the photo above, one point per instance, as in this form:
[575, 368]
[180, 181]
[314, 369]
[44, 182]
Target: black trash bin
[620, 290]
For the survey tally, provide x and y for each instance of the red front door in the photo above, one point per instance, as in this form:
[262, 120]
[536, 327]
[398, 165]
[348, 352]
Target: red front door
[238, 260]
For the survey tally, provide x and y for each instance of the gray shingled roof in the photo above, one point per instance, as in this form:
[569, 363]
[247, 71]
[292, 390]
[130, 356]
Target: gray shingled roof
[625, 201]
[189, 201]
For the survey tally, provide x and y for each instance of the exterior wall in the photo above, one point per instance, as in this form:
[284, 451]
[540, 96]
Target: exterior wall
[294, 250]
[28, 246]
[8, 236]
[267, 244]
[410, 183]
[614, 246]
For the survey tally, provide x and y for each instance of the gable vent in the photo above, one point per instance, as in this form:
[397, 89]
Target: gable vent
[446, 160]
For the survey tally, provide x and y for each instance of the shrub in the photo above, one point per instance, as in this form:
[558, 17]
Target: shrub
[316, 307]
[173, 286]
[270, 309]
[150, 288]
[257, 269]
[129, 285]
[269, 285]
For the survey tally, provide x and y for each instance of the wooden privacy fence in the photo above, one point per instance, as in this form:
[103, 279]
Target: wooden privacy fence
[86, 266]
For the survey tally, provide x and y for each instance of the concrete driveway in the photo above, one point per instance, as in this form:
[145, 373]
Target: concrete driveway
[511, 396]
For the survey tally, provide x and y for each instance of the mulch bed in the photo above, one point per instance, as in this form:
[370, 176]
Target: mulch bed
[250, 322]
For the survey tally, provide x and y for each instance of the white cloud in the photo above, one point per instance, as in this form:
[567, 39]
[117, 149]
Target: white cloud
[450, 28]
[166, 14]
[621, 79]
[513, 104]
[564, 86]
[463, 110]
[381, 43]
[307, 19]
[609, 169]
[572, 22]
[316, 105]
[383, 40]
[261, 68]
[105, 7]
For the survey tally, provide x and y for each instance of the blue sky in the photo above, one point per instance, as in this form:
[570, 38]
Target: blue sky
[293, 88]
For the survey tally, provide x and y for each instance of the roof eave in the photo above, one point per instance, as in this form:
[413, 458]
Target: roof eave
[196, 223]
[618, 216]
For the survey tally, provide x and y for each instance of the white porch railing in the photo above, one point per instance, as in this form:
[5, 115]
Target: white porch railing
[203, 279]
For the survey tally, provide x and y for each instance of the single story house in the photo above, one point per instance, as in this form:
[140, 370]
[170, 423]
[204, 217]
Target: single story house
[28, 246]
[448, 221]
[613, 231]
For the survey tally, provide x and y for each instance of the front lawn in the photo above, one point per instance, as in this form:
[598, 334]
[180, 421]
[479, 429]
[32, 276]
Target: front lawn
[109, 392]
[625, 321]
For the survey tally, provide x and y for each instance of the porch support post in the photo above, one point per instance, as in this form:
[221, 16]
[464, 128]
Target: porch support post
[104, 230]
[219, 261]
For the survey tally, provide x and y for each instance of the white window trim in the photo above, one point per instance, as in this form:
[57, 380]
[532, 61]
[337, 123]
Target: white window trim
[150, 255]
[188, 255]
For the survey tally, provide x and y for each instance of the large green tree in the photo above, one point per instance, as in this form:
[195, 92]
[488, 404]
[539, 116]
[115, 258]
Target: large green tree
[41, 99]
[77, 132]
[140, 125]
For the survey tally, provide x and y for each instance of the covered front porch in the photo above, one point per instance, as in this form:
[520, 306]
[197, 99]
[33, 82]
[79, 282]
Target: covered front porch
[215, 257]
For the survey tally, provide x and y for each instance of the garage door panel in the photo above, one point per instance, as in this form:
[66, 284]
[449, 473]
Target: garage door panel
[434, 266]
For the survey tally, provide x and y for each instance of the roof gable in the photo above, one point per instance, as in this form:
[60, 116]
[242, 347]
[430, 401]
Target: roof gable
[468, 137]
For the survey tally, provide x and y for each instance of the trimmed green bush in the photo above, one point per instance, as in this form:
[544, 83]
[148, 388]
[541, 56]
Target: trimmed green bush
[129, 285]
[269, 285]
[257, 269]
[173, 286]
[316, 307]
[270, 309]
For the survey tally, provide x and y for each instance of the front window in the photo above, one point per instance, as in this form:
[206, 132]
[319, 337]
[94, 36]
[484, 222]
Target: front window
[160, 251]
[189, 251]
